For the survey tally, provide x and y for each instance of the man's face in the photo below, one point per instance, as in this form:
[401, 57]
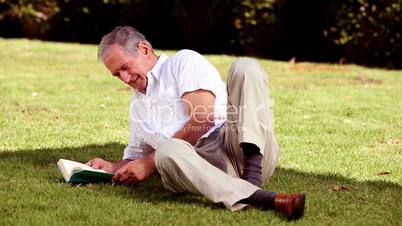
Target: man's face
[132, 70]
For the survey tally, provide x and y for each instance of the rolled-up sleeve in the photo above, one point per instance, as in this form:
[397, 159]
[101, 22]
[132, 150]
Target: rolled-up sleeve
[137, 147]
[143, 139]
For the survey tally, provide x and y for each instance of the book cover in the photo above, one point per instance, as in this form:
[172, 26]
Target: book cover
[79, 173]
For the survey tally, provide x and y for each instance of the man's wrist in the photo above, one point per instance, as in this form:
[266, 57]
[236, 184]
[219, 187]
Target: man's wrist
[150, 163]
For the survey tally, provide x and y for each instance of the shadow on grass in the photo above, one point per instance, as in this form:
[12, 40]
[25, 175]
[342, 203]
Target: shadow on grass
[332, 191]
[44, 163]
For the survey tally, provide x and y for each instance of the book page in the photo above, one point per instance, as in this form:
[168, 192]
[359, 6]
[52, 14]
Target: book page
[72, 166]
[86, 167]
[68, 165]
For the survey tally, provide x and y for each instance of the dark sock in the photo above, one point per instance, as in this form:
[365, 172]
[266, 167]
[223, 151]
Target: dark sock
[252, 159]
[261, 199]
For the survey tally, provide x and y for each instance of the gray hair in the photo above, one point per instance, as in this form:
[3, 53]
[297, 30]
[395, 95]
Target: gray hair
[128, 38]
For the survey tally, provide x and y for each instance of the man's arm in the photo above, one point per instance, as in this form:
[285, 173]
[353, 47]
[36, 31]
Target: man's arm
[199, 105]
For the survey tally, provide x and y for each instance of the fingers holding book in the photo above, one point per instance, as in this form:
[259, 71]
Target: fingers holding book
[98, 163]
[135, 171]
[108, 166]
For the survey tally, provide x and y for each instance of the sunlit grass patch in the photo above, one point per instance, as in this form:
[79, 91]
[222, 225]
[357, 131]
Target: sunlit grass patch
[339, 127]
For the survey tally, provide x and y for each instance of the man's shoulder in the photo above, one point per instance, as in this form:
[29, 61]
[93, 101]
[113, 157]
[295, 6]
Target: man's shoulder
[186, 55]
[187, 52]
[189, 62]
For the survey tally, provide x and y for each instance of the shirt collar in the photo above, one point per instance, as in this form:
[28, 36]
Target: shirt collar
[156, 71]
[154, 74]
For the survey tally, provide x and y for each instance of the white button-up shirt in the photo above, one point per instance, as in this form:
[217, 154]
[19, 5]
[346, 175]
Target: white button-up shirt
[159, 114]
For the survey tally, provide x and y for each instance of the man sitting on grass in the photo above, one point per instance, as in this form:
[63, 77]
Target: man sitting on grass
[199, 135]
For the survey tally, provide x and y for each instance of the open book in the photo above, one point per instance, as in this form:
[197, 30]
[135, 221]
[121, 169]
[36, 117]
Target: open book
[76, 173]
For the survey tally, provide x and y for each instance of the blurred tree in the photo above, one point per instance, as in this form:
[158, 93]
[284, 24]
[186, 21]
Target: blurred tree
[88, 20]
[362, 31]
[256, 24]
[34, 15]
[370, 31]
[203, 25]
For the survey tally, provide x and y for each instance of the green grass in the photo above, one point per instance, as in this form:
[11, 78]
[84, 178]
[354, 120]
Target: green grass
[337, 126]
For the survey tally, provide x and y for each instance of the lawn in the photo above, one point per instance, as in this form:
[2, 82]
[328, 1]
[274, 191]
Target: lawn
[339, 127]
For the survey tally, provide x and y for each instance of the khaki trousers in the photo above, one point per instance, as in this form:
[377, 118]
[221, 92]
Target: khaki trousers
[213, 166]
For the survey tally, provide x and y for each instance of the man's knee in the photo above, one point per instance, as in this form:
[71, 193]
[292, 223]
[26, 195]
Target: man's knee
[167, 160]
[245, 63]
[168, 151]
[249, 67]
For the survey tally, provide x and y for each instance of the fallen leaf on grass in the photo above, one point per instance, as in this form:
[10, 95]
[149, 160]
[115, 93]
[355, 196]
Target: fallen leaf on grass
[394, 141]
[383, 173]
[360, 200]
[299, 87]
[50, 165]
[305, 66]
[340, 188]
[366, 80]
[292, 61]
[354, 187]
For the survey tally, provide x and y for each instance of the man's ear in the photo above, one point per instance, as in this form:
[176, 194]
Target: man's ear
[144, 48]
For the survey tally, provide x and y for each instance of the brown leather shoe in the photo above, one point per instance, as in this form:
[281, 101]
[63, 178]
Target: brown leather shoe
[290, 205]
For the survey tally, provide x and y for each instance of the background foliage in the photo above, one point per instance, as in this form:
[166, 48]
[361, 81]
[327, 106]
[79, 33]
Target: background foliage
[366, 32]
[370, 31]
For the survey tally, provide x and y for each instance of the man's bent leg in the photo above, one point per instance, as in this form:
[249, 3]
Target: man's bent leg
[250, 120]
[182, 169]
[250, 125]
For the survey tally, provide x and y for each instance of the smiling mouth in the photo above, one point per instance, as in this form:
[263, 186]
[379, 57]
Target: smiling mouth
[131, 83]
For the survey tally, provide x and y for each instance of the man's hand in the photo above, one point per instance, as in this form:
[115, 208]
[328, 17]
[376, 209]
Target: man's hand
[136, 171]
[108, 166]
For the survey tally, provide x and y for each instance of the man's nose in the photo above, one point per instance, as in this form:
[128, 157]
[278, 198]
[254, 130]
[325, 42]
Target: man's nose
[124, 76]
